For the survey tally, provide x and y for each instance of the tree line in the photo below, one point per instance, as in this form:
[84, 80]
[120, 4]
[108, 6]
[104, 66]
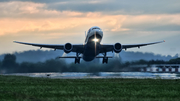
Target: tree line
[9, 65]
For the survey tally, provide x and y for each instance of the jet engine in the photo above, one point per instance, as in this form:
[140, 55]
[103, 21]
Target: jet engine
[68, 47]
[117, 47]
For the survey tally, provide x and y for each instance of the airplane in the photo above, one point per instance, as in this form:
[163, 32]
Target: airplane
[91, 47]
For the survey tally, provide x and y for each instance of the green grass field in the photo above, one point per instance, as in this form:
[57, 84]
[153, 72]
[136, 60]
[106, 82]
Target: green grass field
[44, 89]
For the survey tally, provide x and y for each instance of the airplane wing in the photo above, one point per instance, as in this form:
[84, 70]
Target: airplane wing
[139, 45]
[76, 47]
[80, 47]
[110, 47]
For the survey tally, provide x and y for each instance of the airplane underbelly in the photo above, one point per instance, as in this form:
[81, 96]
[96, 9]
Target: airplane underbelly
[90, 52]
[89, 55]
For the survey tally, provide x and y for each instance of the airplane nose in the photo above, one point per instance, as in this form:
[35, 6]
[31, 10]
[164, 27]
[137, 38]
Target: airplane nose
[99, 33]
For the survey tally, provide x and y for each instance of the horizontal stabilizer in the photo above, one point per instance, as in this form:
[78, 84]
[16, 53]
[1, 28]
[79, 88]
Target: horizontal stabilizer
[103, 56]
[81, 57]
[69, 57]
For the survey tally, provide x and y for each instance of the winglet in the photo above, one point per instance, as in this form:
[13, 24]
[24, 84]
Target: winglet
[164, 40]
[17, 42]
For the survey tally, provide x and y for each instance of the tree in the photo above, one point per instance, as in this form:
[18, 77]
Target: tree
[174, 61]
[0, 64]
[9, 62]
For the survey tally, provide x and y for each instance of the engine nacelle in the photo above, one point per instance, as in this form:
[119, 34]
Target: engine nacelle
[117, 47]
[68, 47]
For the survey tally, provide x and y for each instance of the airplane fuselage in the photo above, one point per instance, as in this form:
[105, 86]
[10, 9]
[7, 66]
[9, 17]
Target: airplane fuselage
[92, 43]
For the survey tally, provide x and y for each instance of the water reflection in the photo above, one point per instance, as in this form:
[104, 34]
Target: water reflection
[75, 75]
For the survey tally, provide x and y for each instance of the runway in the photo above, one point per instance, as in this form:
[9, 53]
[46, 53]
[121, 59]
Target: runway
[103, 75]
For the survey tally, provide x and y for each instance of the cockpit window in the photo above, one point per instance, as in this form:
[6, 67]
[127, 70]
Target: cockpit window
[95, 28]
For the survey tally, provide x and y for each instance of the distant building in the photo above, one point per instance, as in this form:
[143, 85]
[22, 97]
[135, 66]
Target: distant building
[168, 68]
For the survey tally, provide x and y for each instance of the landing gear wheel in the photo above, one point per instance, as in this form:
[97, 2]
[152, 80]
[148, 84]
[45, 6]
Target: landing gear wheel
[105, 60]
[77, 59]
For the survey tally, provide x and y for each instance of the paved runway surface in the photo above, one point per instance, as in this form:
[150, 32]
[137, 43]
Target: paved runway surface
[74, 75]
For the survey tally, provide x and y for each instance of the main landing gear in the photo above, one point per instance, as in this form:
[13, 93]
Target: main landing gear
[77, 59]
[105, 59]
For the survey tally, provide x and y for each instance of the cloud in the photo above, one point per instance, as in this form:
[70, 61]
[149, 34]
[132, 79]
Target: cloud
[133, 7]
[19, 9]
[29, 17]
[159, 22]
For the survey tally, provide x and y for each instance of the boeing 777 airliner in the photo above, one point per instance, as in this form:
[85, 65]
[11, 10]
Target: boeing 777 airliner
[91, 48]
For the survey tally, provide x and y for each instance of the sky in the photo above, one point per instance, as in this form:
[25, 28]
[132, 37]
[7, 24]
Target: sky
[62, 21]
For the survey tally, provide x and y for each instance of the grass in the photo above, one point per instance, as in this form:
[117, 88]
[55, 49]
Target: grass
[44, 89]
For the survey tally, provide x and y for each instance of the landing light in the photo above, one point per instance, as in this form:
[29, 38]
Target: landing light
[95, 40]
